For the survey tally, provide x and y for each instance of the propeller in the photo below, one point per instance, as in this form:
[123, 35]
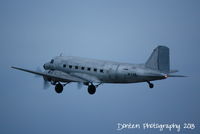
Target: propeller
[38, 69]
[45, 81]
[79, 85]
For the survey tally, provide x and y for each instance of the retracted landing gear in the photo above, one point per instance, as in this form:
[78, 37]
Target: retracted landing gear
[150, 84]
[59, 88]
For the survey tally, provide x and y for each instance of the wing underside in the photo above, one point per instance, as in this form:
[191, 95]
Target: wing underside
[54, 75]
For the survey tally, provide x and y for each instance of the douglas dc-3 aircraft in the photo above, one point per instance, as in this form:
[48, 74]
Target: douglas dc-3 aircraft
[92, 73]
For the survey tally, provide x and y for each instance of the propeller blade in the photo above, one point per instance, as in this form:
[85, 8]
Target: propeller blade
[79, 85]
[45, 84]
[38, 69]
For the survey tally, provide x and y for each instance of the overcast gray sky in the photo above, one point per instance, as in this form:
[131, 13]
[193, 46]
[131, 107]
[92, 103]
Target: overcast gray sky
[32, 32]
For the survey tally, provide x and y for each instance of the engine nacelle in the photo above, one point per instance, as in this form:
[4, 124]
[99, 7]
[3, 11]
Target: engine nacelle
[45, 77]
[55, 75]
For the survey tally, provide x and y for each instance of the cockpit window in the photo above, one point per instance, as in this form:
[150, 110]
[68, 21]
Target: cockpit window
[52, 61]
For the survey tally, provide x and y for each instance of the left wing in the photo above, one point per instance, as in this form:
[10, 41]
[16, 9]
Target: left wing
[54, 75]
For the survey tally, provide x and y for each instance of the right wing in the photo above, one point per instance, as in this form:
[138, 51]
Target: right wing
[54, 75]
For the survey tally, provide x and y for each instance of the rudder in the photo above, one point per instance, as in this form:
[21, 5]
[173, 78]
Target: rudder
[159, 59]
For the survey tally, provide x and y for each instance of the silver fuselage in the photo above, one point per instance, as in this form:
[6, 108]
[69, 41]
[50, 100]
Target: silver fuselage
[103, 71]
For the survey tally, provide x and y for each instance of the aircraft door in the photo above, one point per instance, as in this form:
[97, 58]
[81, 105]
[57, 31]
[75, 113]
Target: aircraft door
[112, 71]
[124, 73]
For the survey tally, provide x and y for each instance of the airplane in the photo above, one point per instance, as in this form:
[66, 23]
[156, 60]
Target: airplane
[62, 70]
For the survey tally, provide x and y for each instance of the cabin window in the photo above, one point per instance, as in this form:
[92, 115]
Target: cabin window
[76, 67]
[95, 69]
[52, 61]
[88, 68]
[70, 66]
[82, 68]
[64, 65]
[132, 74]
[101, 70]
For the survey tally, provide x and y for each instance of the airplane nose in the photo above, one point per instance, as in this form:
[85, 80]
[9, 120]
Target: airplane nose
[44, 66]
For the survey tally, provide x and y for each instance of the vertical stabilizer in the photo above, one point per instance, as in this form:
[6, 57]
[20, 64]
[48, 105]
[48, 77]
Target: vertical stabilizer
[159, 59]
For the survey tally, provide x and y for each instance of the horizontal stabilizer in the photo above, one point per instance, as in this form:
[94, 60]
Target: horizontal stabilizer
[172, 75]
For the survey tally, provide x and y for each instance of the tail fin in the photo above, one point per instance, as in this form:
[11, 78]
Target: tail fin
[159, 59]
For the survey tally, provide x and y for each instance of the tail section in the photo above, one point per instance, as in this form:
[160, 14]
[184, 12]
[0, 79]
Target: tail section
[159, 59]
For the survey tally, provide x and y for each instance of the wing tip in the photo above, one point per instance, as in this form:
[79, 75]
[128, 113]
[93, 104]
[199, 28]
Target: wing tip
[13, 67]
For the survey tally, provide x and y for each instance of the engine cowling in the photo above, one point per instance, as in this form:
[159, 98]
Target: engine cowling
[45, 77]
[55, 73]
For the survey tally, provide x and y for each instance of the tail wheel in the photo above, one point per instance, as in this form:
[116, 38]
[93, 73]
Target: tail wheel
[150, 84]
[91, 89]
[59, 88]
